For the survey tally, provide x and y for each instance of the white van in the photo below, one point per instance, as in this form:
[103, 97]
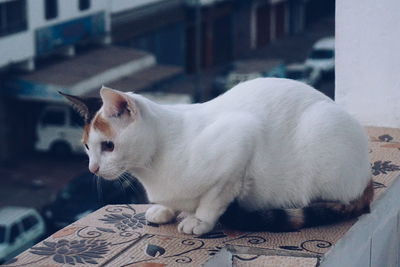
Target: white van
[20, 229]
[322, 55]
[59, 130]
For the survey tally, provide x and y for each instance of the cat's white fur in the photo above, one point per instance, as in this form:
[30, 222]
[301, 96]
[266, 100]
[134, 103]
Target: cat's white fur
[270, 143]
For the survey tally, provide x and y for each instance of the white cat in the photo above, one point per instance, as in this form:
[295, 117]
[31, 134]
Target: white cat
[269, 154]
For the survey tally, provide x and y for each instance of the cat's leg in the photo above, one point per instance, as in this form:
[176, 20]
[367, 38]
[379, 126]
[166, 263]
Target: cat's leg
[160, 214]
[231, 153]
[212, 205]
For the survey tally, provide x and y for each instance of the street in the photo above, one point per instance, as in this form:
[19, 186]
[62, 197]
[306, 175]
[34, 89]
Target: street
[32, 181]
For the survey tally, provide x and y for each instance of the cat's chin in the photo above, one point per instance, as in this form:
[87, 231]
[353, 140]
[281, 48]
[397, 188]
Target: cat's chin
[109, 177]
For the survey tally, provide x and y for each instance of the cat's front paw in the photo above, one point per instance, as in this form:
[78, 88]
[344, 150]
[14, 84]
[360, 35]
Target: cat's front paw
[160, 214]
[192, 225]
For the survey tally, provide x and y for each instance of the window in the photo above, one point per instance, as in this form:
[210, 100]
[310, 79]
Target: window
[2, 234]
[321, 54]
[15, 232]
[84, 4]
[13, 17]
[54, 118]
[29, 222]
[50, 9]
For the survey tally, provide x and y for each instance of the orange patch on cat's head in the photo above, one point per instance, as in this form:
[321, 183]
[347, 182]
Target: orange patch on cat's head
[102, 125]
[99, 123]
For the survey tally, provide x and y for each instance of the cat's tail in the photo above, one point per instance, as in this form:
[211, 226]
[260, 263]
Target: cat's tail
[280, 220]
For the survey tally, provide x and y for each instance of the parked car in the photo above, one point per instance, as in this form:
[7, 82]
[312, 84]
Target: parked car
[59, 130]
[244, 70]
[303, 73]
[322, 55]
[20, 228]
[87, 193]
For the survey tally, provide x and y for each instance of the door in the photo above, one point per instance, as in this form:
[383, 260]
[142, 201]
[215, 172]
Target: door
[223, 39]
[263, 25]
[33, 228]
[280, 21]
[16, 240]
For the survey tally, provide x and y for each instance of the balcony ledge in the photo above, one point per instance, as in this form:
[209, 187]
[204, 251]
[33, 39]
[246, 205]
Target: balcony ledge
[118, 235]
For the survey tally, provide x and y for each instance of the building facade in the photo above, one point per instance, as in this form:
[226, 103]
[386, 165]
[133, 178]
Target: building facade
[165, 28]
[188, 34]
[156, 26]
[32, 29]
[229, 29]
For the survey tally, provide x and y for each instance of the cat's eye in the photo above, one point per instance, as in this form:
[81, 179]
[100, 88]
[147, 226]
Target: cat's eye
[87, 147]
[107, 146]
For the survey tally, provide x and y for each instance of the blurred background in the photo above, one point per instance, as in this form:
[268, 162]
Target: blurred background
[172, 51]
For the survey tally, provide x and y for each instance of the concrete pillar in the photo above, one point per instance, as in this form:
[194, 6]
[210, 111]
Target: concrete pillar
[368, 61]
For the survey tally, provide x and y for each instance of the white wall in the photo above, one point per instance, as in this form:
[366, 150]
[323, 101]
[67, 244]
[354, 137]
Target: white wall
[368, 60]
[20, 46]
[15, 48]
[67, 10]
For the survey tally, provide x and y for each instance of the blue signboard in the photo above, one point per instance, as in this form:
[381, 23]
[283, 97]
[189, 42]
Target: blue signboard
[28, 90]
[70, 33]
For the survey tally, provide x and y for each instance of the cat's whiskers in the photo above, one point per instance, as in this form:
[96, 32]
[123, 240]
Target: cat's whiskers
[126, 179]
[113, 171]
[132, 165]
[99, 190]
[123, 183]
[94, 186]
[120, 182]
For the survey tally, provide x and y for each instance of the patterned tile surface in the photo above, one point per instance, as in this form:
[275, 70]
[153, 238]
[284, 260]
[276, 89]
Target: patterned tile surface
[243, 260]
[119, 235]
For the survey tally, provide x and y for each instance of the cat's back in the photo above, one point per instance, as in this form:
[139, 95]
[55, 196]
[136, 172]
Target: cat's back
[267, 95]
[316, 133]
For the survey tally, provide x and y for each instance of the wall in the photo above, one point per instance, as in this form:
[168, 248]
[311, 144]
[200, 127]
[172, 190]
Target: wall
[16, 47]
[368, 60]
[67, 10]
[242, 29]
[3, 129]
[166, 43]
[123, 5]
[20, 46]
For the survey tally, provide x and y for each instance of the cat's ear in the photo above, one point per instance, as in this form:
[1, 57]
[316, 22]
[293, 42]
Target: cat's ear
[86, 107]
[116, 103]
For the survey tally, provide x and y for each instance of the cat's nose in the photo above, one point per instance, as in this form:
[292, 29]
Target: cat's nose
[94, 168]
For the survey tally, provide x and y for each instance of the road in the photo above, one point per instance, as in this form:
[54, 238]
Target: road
[34, 179]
